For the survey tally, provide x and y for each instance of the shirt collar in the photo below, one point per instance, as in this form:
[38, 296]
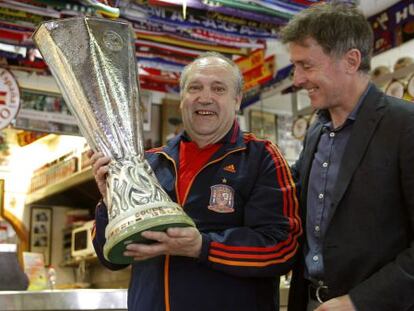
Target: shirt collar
[325, 119]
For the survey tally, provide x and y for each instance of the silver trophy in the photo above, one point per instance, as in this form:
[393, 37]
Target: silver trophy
[93, 61]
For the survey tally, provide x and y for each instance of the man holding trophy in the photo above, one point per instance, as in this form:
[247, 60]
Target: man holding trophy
[237, 189]
[229, 199]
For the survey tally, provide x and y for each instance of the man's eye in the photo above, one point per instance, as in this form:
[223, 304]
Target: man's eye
[219, 89]
[193, 87]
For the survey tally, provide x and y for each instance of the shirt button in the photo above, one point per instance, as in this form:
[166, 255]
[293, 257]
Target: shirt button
[315, 258]
[317, 228]
[325, 164]
[320, 196]
[331, 134]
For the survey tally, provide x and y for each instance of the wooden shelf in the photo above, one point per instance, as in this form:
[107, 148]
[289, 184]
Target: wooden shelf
[279, 88]
[74, 262]
[77, 190]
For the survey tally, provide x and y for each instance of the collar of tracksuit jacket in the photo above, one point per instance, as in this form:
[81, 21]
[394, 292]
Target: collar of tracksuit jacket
[232, 142]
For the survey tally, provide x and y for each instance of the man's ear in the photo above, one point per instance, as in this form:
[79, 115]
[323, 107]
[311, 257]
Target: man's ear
[238, 101]
[181, 99]
[352, 60]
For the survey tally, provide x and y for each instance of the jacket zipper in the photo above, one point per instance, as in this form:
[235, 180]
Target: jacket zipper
[167, 257]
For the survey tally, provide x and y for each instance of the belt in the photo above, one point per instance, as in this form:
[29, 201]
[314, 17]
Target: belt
[318, 292]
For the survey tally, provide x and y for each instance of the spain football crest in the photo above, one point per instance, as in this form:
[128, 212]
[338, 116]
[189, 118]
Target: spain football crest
[221, 199]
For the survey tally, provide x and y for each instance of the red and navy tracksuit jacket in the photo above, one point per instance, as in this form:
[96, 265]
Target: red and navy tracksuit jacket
[248, 241]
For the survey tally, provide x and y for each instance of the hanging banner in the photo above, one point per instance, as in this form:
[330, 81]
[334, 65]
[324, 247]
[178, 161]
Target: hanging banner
[199, 19]
[256, 69]
[250, 61]
[209, 6]
[393, 26]
[9, 98]
[192, 44]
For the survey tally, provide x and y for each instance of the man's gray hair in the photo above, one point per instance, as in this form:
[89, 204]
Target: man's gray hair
[336, 27]
[238, 77]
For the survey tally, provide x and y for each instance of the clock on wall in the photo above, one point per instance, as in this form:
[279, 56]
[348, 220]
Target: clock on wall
[299, 127]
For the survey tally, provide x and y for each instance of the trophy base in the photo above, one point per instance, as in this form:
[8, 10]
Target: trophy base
[115, 246]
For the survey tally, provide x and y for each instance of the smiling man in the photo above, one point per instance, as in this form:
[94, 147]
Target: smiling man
[210, 98]
[237, 189]
[356, 171]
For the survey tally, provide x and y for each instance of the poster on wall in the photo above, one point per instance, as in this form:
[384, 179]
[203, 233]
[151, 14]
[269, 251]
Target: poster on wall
[40, 232]
[45, 113]
[393, 26]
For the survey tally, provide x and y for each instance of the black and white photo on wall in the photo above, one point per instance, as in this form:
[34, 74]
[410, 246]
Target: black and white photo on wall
[40, 231]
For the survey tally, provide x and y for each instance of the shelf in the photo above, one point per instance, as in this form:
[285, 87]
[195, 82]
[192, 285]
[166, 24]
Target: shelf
[74, 262]
[279, 88]
[66, 299]
[77, 190]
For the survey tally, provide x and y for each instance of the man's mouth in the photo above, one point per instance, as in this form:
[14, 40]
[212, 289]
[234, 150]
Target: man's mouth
[312, 90]
[205, 113]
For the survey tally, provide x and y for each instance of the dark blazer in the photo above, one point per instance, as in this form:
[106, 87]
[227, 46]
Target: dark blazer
[368, 250]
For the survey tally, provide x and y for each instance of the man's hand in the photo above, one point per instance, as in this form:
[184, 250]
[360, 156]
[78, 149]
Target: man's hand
[175, 241]
[100, 170]
[342, 303]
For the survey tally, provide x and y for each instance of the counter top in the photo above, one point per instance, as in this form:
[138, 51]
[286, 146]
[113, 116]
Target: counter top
[74, 299]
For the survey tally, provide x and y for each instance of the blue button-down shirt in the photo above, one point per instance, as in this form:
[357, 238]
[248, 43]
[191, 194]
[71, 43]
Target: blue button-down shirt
[322, 179]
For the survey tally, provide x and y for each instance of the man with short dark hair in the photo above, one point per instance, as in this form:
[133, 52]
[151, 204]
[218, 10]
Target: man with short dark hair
[356, 171]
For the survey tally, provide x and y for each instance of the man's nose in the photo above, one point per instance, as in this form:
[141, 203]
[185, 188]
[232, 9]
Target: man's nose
[299, 77]
[206, 96]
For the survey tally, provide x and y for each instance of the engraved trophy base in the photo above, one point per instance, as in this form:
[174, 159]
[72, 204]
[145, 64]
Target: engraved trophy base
[136, 202]
[128, 230]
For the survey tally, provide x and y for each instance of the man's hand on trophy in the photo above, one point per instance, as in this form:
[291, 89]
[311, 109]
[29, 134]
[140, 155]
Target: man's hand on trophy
[100, 169]
[175, 241]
